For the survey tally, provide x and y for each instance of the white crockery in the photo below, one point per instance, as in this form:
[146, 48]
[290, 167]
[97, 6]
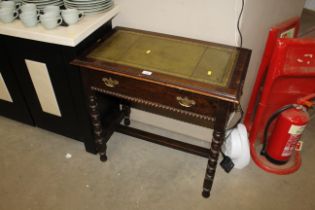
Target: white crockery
[41, 4]
[33, 13]
[29, 8]
[52, 9]
[9, 5]
[29, 19]
[7, 16]
[49, 15]
[50, 22]
[71, 16]
[89, 7]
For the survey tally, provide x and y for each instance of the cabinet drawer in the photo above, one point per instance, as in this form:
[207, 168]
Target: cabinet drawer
[150, 93]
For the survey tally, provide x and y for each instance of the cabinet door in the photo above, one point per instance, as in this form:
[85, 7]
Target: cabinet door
[42, 75]
[12, 104]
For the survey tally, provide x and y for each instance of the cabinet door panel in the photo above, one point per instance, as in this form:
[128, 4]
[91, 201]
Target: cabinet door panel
[12, 103]
[4, 92]
[43, 77]
[43, 87]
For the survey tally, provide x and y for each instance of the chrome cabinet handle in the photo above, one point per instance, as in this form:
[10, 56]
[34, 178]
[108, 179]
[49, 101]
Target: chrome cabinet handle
[185, 102]
[109, 82]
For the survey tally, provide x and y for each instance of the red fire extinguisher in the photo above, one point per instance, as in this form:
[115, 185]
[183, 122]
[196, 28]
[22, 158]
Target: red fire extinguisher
[288, 129]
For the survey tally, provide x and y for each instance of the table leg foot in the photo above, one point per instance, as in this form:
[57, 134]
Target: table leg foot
[103, 158]
[126, 121]
[205, 194]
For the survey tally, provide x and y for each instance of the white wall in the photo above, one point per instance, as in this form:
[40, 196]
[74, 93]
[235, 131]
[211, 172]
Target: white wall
[209, 20]
[310, 4]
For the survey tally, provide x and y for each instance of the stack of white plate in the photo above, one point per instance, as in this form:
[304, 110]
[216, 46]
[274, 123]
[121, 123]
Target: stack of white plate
[43, 3]
[89, 6]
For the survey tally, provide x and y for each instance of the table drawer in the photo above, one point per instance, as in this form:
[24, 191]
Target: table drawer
[150, 93]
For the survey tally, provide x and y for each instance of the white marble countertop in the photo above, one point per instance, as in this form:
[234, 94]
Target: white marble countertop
[67, 36]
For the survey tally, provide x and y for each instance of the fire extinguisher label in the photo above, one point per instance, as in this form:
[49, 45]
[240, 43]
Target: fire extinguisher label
[295, 132]
[290, 146]
[296, 129]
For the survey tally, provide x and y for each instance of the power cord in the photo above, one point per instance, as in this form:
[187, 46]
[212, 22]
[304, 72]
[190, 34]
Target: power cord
[227, 163]
[238, 24]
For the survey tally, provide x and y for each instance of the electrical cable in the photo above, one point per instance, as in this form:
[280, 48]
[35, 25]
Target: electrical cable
[241, 45]
[238, 24]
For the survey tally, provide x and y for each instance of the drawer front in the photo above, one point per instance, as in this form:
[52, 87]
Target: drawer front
[146, 92]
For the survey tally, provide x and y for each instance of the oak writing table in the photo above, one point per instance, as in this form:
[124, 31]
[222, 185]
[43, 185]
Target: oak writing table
[186, 79]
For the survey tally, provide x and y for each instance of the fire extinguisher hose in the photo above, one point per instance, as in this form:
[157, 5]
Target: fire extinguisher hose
[297, 161]
[270, 120]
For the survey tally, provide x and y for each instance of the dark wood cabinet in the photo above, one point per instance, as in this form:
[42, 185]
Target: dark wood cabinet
[49, 90]
[31, 59]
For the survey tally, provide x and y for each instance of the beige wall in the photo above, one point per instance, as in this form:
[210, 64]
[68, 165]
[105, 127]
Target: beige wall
[310, 4]
[210, 20]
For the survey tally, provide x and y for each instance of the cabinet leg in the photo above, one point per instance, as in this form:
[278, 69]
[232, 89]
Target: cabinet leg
[217, 140]
[126, 109]
[97, 128]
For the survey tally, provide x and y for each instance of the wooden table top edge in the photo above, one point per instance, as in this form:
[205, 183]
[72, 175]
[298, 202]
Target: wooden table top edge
[232, 93]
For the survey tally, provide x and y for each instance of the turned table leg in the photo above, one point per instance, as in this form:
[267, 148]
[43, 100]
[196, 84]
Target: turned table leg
[222, 115]
[97, 128]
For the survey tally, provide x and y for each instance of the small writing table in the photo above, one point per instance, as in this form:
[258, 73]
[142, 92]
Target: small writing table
[186, 79]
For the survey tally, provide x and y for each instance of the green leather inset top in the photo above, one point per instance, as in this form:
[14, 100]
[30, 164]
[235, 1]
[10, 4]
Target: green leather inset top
[196, 61]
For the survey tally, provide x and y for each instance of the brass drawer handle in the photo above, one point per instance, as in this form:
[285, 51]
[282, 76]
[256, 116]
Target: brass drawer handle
[109, 82]
[185, 102]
